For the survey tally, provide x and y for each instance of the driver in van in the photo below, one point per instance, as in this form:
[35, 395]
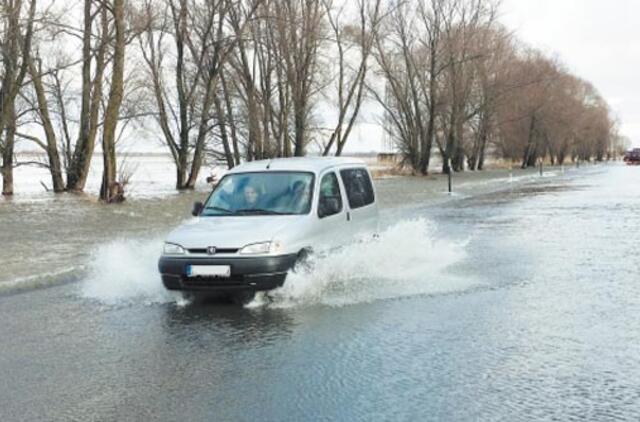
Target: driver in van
[249, 199]
[251, 196]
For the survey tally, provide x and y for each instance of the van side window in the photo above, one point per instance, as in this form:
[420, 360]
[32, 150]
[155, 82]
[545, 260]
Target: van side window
[359, 188]
[330, 199]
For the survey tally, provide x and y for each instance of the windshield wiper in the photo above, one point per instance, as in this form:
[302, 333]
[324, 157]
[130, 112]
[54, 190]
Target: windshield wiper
[259, 211]
[219, 209]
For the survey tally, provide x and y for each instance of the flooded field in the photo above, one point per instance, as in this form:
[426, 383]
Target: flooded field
[516, 298]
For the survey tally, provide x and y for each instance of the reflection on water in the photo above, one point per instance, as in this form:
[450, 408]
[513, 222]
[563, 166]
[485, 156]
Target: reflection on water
[231, 328]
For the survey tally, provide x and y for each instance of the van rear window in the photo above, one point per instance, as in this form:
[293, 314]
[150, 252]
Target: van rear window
[358, 186]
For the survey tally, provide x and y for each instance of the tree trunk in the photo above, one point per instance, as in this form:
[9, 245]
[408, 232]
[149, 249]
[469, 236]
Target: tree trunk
[458, 149]
[7, 172]
[482, 150]
[180, 176]
[300, 126]
[222, 121]
[195, 166]
[476, 162]
[255, 148]
[458, 159]
[450, 146]
[7, 153]
[55, 168]
[425, 156]
[16, 45]
[529, 151]
[180, 23]
[110, 190]
[91, 101]
[229, 118]
[203, 128]
[77, 165]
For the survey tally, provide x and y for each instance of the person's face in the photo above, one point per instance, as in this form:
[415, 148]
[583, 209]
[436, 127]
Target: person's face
[302, 194]
[250, 195]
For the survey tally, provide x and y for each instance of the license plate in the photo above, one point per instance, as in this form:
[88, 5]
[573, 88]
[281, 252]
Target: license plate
[208, 271]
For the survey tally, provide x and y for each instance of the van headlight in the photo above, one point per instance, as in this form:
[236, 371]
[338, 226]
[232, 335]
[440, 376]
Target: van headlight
[261, 248]
[173, 249]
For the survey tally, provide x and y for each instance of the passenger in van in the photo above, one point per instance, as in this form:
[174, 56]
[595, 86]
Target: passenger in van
[300, 197]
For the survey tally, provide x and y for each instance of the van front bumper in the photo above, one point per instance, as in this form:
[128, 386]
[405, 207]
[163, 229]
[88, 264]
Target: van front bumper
[247, 273]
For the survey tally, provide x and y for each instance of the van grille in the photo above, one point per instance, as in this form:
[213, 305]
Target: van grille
[218, 250]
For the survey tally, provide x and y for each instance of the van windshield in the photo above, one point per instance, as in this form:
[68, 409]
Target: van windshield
[261, 193]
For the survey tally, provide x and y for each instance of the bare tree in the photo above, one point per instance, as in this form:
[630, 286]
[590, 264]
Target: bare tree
[350, 82]
[300, 31]
[246, 82]
[490, 88]
[271, 80]
[202, 42]
[95, 40]
[432, 18]
[43, 101]
[44, 114]
[410, 57]
[16, 29]
[463, 21]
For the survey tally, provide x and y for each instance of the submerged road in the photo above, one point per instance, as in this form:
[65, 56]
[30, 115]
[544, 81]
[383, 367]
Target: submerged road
[521, 304]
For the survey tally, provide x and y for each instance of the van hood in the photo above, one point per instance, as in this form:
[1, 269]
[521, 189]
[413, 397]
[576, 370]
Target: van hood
[229, 232]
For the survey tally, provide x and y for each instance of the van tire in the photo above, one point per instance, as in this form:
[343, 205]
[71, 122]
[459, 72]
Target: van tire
[303, 261]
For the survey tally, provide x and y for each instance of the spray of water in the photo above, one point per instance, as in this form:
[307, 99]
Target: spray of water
[125, 271]
[407, 259]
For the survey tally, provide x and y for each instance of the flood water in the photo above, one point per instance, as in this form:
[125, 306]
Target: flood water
[506, 301]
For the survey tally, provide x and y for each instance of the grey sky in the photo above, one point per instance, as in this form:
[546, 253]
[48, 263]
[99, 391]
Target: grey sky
[597, 40]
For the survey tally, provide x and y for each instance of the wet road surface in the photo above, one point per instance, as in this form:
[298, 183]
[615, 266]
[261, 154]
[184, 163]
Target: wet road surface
[520, 304]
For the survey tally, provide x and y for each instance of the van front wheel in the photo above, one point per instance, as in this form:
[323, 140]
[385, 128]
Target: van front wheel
[303, 261]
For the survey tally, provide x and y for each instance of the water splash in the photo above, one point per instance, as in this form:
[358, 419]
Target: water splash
[406, 260]
[125, 271]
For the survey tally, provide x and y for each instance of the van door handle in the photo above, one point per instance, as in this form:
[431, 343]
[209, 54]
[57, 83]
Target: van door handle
[348, 216]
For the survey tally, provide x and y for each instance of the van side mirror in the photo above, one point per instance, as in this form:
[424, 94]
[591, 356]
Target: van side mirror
[328, 205]
[197, 209]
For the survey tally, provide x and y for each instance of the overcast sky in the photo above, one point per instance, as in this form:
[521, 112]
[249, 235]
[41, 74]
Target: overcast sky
[595, 39]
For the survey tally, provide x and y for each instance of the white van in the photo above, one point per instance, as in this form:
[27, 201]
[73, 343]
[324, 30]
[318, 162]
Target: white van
[265, 216]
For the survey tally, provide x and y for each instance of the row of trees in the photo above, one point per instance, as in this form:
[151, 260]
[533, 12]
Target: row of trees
[455, 78]
[237, 80]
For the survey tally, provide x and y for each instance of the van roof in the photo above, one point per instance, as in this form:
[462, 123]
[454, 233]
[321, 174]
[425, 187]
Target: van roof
[312, 164]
